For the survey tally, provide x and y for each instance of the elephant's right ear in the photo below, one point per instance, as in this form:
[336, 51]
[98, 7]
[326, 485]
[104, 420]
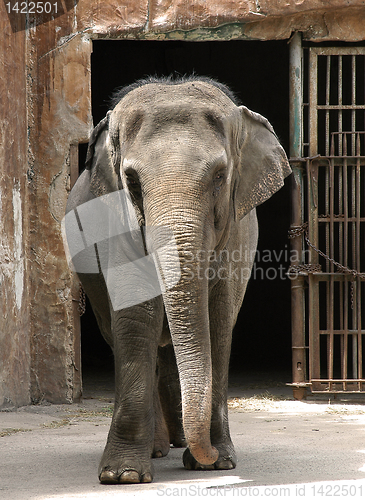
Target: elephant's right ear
[263, 163]
[103, 176]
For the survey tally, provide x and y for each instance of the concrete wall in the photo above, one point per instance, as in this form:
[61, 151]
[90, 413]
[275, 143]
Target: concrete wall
[59, 100]
[14, 227]
[45, 109]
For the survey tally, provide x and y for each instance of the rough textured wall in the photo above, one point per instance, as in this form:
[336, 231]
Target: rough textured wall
[14, 303]
[227, 19]
[39, 345]
[59, 100]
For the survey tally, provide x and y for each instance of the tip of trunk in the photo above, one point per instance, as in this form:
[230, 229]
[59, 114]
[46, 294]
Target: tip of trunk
[205, 456]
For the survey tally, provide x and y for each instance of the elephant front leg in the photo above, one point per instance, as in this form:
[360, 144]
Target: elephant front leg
[126, 458]
[127, 454]
[221, 326]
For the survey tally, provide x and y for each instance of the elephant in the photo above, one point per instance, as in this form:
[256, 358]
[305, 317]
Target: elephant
[186, 163]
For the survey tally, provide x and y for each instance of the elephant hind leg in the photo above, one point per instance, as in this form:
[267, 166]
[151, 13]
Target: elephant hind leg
[170, 395]
[161, 445]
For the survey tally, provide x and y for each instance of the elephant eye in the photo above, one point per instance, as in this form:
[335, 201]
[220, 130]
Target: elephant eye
[218, 181]
[134, 186]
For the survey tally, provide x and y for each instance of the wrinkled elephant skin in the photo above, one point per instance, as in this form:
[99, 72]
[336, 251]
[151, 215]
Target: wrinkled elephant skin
[162, 231]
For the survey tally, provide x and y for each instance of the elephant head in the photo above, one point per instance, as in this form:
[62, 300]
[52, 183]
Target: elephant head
[193, 161]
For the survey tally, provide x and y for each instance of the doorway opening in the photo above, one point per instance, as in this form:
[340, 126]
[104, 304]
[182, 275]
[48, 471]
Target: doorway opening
[257, 72]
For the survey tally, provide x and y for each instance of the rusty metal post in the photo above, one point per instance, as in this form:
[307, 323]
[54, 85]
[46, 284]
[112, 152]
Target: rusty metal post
[296, 96]
[297, 284]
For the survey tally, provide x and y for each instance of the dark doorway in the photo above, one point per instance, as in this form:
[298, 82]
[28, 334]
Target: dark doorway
[258, 74]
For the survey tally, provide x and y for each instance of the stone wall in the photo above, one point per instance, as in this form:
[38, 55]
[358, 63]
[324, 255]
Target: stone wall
[14, 221]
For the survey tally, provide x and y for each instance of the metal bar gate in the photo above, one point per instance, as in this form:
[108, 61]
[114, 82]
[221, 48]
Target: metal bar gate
[328, 218]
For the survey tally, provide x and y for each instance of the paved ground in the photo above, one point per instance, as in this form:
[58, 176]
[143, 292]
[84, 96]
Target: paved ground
[286, 449]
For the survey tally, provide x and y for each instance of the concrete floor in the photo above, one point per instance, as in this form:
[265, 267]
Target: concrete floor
[285, 448]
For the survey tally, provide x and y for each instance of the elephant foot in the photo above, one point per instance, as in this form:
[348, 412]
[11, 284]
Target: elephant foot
[127, 476]
[114, 469]
[179, 441]
[226, 460]
[161, 444]
[160, 448]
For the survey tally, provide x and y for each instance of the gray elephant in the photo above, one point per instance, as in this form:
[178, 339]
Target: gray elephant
[183, 166]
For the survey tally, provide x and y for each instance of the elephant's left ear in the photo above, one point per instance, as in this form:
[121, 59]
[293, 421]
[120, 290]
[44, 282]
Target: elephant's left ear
[263, 163]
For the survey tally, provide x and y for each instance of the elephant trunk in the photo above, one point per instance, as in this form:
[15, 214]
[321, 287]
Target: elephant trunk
[187, 313]
[186, 306]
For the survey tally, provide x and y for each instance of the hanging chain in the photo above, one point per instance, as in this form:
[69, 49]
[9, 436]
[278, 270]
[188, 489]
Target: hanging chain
[82, 301]
[296, 231]
[352, 295]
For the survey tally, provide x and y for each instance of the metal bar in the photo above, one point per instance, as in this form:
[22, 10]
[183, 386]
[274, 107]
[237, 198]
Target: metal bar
[336, 380]
[328, 80]
[337, 159]
[359, 334]
[354, 261]
[358, 215]
[335, 51]
[299, 363]
[312, 179]
[330, 285]
[345, 213]
[340, 106]
[353, 101]
[359, 298]
[344, 340]
[340, 219]
[357, 284]
[296, 96]
[344, 285]
[329, 226]
[330, 338]
[358, 147]
[339, 83]
[314, 344]
[343, 332]
[357, 132]
[331, 213]
[332, 149]
[327, 276]
[328, 210]
[341, 241]
[298, 285]
[313, 103]
[336, 391]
